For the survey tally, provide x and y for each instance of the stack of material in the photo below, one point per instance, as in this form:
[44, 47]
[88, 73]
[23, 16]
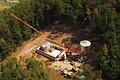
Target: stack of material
[66, 68]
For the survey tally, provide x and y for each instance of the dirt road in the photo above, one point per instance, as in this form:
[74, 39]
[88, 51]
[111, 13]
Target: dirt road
[29, 46]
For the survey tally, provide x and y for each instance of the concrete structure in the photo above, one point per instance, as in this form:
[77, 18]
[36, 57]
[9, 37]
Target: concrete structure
[51, 51]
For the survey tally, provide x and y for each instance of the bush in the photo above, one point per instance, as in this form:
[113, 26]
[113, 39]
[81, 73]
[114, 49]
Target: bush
[12, 70]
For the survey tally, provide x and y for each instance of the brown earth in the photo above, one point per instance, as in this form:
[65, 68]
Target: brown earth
[29, 46]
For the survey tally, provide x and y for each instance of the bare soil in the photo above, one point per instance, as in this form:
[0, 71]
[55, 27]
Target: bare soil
[29, 46]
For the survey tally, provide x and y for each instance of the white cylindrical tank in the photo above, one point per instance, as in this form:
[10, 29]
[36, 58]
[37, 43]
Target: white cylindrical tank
[85, 45]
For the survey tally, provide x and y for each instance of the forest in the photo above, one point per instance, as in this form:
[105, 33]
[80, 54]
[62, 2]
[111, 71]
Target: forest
[103, 16]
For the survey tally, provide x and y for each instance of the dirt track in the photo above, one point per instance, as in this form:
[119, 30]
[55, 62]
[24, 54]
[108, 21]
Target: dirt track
[30, 45]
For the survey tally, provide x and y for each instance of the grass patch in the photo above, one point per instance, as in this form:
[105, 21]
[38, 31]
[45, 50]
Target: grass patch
[3, 6]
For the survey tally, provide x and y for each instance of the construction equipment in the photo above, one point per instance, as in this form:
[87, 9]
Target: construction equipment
[25, 23]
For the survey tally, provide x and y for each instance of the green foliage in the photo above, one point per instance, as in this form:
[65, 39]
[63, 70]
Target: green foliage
[12, 70]
[89, 74]
[12, 33]
[33, 63]
[109, 64]
[107, 25]
[37, 71]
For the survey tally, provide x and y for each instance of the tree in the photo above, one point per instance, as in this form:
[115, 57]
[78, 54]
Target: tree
[108, 24]
[12, 69]
[36, 70]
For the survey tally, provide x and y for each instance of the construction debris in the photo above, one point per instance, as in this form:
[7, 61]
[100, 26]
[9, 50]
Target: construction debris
[66, 68]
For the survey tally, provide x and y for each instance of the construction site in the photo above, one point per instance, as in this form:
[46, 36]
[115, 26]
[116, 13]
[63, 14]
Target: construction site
[56, 50]
[59, 39]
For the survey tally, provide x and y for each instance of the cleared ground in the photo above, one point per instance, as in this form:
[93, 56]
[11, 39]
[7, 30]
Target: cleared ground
[29, 46]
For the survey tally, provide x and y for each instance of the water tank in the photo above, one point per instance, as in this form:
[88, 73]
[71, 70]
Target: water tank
[85, 45]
